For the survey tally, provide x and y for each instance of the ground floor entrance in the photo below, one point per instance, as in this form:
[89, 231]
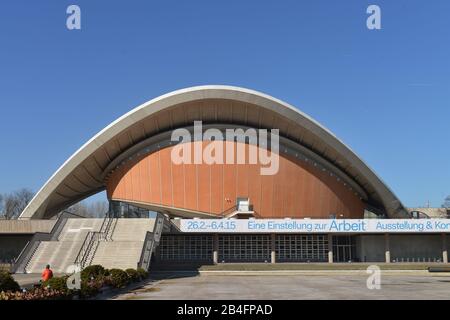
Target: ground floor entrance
[256, 248]
[344, 249]
[308, 248]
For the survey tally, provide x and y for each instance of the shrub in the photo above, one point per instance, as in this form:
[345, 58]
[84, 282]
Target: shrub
[35, 294]
[133, 275]
[118, 278]
[7, 282]
[92, 287]
[142, 273]
[57, 283]
[93, 278]
[93, 272]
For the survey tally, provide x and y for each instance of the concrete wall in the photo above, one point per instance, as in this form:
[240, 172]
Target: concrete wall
[405, 247]
[370, 248]
[448, 243]
[416, 247]
[14, 235]
[11, 246]
[26, 226]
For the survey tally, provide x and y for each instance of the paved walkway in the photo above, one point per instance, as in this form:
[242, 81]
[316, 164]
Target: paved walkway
[29, 279]
[306, 286]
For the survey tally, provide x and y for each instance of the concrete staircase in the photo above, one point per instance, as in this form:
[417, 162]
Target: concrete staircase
[125, 249]
[122, 255]
[122, 248]
[132, 229]
[62, 253]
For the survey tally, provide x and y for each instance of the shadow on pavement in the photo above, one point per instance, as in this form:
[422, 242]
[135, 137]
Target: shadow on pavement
[160, 271]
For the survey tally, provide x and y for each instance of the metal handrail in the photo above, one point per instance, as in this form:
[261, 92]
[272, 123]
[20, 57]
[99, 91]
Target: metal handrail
[105, 219]
[21, 252]
[80, 255]
[30, 248]
[229, 210]
[148, 241]
[28, 251]
[151, 241]
[33, 250]
[91, 238]
[58, 224]
[111, 230]
[65, 212]
[58, 228]
[235, 208]
[256, 214]
[108, 228]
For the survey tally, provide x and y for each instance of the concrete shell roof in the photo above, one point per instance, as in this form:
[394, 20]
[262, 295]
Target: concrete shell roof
[82, 174]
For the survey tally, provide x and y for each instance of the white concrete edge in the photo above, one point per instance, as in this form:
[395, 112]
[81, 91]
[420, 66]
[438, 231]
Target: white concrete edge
[181, 96]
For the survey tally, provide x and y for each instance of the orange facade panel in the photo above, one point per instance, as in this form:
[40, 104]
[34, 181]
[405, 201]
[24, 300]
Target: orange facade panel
[204, 187]
[154, 178]
[297, 190]
[190, 187]
[165, 165]
[178, 185]
[217, 194]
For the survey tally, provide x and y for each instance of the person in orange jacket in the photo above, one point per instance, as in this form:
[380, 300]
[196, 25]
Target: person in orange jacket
[47, 274]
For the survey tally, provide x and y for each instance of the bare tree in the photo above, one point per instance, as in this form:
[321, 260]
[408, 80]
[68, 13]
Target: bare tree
[96, 209]
[14, 203]
[79, 208]
[446, 203]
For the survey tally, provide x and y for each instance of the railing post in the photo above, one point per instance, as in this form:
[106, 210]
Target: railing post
[91, 239]
[215, 248]
[444, 248]
[330, 248]
[273, 254]
[387, 248]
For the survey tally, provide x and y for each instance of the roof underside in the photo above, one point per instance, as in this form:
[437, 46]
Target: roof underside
[82, 175]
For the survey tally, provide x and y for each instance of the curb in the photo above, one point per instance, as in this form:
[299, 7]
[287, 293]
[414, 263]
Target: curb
[296, 272]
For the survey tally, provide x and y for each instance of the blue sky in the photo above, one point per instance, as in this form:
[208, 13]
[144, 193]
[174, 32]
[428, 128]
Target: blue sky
[385, 93]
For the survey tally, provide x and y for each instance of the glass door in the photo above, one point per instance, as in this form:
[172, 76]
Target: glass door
[344, 248]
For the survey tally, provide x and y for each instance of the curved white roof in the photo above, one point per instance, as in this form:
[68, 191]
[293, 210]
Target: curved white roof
[82, 174]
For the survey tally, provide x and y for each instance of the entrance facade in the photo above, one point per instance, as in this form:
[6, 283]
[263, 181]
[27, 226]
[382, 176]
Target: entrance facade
[344, 248]
[301, 248]
[179, 248]
[185, 248]
[244, 248]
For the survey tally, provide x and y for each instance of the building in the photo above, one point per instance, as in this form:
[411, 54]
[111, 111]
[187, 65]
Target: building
[317, 177]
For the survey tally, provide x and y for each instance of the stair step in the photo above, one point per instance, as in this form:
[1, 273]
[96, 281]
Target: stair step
[118, 254]
[124, 251]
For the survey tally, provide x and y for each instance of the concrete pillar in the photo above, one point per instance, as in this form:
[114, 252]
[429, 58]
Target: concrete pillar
[387, 248]
[215, 248]
[273, 255]
[330, 248]
[157, 254]
[444, 248]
